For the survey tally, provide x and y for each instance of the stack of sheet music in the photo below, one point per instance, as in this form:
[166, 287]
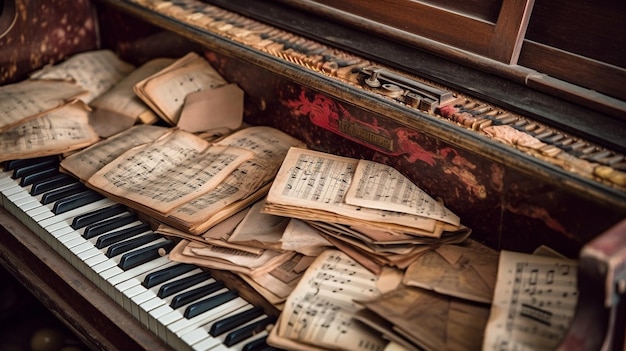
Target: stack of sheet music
[366, 209]
[48, 114]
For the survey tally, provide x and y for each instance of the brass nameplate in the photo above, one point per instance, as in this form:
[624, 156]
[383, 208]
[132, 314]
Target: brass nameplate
[359, 132]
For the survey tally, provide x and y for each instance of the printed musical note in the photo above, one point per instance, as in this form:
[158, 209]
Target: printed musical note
[320, 310]
[533, 304]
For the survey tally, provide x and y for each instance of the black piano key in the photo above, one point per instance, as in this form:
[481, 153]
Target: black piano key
[75, 201]
[131, 244]
[140, 256]
[60, 193]
[179, 285]
[195, 294]
[245, 332]
[54, 182]
[256, 345]
[227, 324]
[107, 225]
[119, 235]
[97, 215]
[13, 164]
[43, 174]
[163, 275]
[202, 306]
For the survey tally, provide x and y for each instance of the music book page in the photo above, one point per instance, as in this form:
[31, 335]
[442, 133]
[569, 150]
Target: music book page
[168, 172]
[240, 188]
[533, 304]
[246, 184]
[28, 99]
[383, 187]
[224, 258]
[96, 71]
[59, 131]
[87, 162]
[312, 185]
[166, 90]
[119, 108]
[318, 314]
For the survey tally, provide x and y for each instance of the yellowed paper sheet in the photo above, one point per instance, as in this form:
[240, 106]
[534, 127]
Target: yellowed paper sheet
[240, 184]
[301, 237]
[169, 172]
[217, 111]
[432, 321]
[319, 312]
[376, 185]
[457, 271]
[119, 108]
[283, 279]
[166, 90]
[87, 162]
[60, 131]
[533, 304]
[318, 181]
[259, 229]
[218, 257]
[28, 99]
[96, 71]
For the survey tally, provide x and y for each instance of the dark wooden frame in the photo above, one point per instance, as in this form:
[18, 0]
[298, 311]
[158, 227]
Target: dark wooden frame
[500, 40]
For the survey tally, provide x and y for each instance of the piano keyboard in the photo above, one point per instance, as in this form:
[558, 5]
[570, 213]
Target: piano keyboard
[181, 303]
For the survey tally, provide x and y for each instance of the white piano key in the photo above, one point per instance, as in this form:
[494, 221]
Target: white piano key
[115, 281]
[124, 286]
[38, 211]
[129, 293]
[209, 344]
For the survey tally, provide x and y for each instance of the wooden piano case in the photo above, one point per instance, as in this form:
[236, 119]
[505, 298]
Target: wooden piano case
[309, 82]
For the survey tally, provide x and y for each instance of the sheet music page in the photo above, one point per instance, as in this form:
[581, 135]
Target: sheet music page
[259, 229]
[119, 107]
[319, 312]
[219, 257]
[169, 172]
[29, 99]
[56, 132]
[282, 280]
[301, 237]
[87, 162]
[96, 71]
[314, 180]
[244, 181]
[380, 186]
[167, 89]
[269, 146]
[533, 304]
[267, 143]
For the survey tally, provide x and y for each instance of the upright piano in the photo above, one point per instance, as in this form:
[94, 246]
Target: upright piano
[511, 111]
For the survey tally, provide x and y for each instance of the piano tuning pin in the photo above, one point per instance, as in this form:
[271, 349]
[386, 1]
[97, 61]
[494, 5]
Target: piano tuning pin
[392, 90]
[372, 80]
